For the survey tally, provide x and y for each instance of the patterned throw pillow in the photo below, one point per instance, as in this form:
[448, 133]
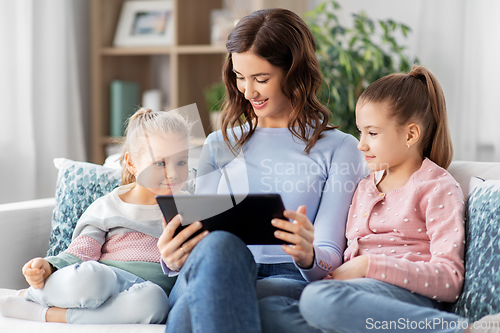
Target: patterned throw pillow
[481, 292]
[78, 185]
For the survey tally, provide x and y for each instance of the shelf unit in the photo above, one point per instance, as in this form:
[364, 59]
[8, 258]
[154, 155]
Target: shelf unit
[194, 64]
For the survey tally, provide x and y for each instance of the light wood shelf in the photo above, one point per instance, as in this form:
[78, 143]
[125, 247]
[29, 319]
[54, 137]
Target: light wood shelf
[194, 63]
[167, 50]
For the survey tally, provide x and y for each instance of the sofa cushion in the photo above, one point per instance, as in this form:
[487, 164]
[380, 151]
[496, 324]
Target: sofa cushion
[481, 292]
[78, 185]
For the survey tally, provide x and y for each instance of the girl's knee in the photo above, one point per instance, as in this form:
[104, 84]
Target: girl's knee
[149, 292]
[153, 300]
[320, 291]
[321, 301]
[88, 282]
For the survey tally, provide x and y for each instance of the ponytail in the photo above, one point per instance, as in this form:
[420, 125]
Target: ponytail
[146, 122]
[132, 123]
[437, 143]
[417, 96]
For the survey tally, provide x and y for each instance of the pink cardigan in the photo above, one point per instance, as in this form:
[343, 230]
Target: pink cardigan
[413, 236]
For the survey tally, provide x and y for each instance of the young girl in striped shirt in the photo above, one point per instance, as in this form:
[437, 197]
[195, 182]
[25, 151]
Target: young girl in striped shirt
[111, 273]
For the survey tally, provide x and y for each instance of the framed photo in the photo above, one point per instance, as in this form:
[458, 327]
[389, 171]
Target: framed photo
[145, 23]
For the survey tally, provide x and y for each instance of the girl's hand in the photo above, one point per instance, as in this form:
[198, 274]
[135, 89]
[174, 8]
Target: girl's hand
[353, 269]
[300, 235]
[175, 250]
[36, 271]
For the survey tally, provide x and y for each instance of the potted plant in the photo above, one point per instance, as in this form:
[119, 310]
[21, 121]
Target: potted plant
[214, 97]
[352, 58]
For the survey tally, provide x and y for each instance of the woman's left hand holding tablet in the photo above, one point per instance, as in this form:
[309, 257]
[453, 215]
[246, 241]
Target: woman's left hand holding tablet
[175, 250]
[300, 235]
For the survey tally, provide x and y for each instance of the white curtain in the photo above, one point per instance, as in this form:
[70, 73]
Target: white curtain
[482, 83]
[459, 41]
[43, 92]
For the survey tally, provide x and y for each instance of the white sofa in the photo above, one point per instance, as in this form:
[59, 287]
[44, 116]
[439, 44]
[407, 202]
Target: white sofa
[25, 229]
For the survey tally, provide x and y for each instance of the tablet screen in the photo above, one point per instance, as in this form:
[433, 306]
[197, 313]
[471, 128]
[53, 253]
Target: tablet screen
[250, 219]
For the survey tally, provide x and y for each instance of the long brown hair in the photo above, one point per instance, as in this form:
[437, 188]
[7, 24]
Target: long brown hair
[417, 97]
[284, 40]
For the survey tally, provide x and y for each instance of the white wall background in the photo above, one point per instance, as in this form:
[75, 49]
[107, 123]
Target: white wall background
[459, 41]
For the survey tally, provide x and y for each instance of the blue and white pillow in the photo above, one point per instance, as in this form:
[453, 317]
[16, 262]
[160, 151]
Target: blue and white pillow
[78, 185]
[481, 292]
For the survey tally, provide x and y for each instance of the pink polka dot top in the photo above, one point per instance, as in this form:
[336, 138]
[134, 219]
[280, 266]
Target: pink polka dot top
[414, 235]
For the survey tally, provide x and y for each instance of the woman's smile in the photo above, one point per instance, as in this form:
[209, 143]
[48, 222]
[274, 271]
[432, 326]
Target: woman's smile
[259, 104]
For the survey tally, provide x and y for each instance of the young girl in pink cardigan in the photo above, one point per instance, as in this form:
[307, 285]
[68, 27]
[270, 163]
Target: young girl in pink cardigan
[405, 228]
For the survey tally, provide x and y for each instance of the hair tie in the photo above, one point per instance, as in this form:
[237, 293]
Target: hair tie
[420, 77]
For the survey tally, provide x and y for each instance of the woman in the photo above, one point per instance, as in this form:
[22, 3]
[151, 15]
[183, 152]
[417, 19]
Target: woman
[275, 138]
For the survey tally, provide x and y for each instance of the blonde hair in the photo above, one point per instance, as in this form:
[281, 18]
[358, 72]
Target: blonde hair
[417, 96]
[145, 123]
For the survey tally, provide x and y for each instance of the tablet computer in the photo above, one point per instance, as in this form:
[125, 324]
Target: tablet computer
[247, 216]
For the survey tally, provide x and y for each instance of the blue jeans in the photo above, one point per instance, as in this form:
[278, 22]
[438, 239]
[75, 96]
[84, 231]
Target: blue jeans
[217, 288]
[359, 305]
[279, 280]
[95, 293]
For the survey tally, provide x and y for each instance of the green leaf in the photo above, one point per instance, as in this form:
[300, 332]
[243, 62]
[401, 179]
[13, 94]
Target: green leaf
[351, 58]
[352, 42]
[368, 54]
[351, 99]
[405, 30]
[383, 26]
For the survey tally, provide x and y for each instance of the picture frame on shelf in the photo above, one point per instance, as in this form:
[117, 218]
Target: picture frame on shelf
[222, 22]
[145, 23]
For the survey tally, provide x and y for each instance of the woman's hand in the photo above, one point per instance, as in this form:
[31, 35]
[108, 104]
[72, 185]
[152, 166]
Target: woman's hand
[353, 269]
[300, 235]
[175, 250]
[36, 271]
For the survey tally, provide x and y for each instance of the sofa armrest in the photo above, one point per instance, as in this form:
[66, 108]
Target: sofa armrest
[24, 234]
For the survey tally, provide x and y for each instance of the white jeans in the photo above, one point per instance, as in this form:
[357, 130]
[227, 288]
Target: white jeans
[95, 293]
